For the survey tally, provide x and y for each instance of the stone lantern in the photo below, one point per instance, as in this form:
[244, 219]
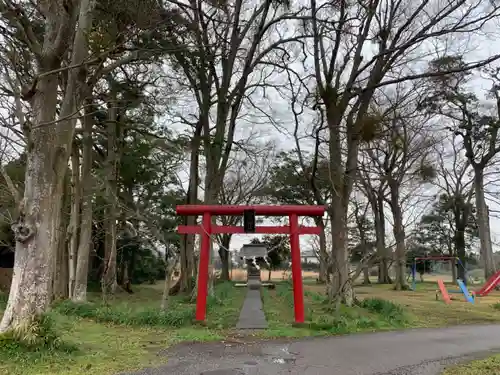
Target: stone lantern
[250, 252]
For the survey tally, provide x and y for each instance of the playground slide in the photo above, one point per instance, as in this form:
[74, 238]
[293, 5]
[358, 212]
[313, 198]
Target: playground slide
[464, 290]
[444, 292]
[489, 285]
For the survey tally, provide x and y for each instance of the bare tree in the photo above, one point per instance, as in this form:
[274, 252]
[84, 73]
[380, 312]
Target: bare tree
[455, 182]
[62, 76]
[347, 77]
[478, 126]
[36, 230]
[400, 155]
[229, 54]
[79, 291]
[246, 177]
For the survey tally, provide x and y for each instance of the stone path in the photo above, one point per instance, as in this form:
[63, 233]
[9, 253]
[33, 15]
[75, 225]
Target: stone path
[413, 352]
[252, 315]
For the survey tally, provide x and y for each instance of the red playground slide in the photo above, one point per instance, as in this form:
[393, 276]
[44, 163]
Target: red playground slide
[490, 284]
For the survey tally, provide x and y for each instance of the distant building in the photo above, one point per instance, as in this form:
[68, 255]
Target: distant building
[309, 256]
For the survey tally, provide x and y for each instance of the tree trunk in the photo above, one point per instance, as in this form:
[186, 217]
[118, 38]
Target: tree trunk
[61, 275]
[460, 247]
[211, 194]
[109, 281]
[125, 282]
[37, 228]
[39, 219]
[399, 236]
[453, 265]
[483, 223]
[39, 214]
[75, 217]
[340, 285]
[225, 256]
[383, 268]
[366, 275]
[187, 255]
[323, 254]
[85, 244]
[167, 282]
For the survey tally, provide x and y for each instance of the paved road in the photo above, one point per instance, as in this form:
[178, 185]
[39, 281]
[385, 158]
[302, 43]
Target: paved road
[415, 352]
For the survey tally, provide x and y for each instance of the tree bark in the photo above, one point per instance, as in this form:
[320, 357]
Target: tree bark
[40, 209]
[109, 281]
[47, 157]
[85, 244]
[61, 275]
[340, 285]
[75, 217]
[483, 223]
[36, 246]
[453, 270]
[377, 204]
[323, 254]
[187, 256]
[167, 282]
[366, 275]
[461, 217]
[225, 256]
[399, 236]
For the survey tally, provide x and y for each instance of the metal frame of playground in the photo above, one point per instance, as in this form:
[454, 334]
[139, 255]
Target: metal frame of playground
[490, 284]
[207, 229]
[434, 258]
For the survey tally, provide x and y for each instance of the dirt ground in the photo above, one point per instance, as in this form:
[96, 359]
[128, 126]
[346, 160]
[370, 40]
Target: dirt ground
[241, 275]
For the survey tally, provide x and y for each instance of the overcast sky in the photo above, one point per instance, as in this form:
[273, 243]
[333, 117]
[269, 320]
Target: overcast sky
[280, 129]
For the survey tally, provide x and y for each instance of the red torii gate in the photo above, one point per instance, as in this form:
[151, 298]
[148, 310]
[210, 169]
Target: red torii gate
[206, 229]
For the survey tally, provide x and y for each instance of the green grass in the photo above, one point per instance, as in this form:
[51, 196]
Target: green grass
[488, 366]
[322, 318]
[426, 311]
[128, 331]
[123, 335]
[380, 308]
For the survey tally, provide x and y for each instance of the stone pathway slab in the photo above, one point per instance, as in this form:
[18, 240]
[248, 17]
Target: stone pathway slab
[252, 316]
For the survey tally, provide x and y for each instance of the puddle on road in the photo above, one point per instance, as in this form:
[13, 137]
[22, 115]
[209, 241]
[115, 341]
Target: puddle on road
[270, 355]
[231, 371]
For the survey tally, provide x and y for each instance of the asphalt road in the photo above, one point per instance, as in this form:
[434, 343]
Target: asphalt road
[414, 352]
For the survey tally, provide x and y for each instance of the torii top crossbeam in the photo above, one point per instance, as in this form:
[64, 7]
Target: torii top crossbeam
[259, 210]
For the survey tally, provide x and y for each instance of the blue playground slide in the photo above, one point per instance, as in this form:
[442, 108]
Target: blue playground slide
[464, 290]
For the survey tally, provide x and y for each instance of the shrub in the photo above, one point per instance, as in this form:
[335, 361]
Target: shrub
[390, 311]
[316, 297]
[125, 316]
[346, 320]
[38, 335]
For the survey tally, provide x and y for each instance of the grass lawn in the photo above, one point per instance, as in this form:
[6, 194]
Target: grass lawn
[417, 309]
[129, 332]
[125, 336]
[488, 366]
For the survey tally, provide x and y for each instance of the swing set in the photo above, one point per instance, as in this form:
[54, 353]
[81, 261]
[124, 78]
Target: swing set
[456, 263]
